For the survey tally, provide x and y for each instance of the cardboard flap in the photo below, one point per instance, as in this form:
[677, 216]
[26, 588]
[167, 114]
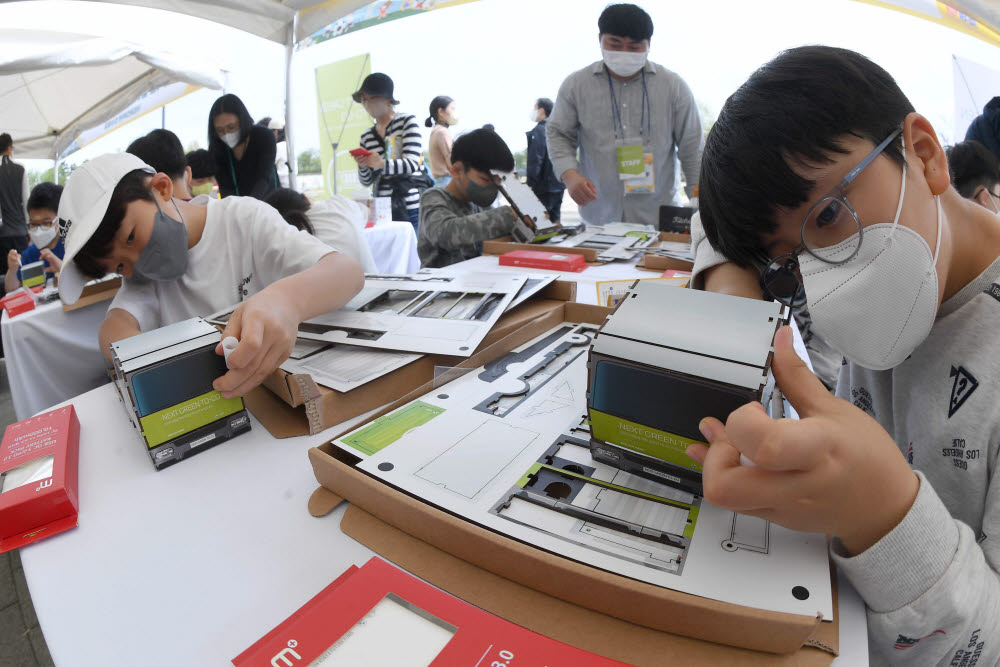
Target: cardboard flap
[280, 419]
[323, 501]
[550, 616]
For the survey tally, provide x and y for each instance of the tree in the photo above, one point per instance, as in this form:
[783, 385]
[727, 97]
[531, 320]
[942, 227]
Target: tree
[36, 177]
[521, 161]
[309, 162]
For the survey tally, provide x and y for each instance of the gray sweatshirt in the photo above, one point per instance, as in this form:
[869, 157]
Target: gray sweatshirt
[931, 584]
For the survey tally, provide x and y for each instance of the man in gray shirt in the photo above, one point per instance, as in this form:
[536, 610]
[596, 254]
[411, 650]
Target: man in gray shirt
[456, 219]
[625, 109]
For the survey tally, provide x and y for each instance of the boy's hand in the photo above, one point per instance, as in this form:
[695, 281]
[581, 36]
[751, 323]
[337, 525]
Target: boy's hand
[834, 471]
[266, 326]
[55, 264]
[13, 261]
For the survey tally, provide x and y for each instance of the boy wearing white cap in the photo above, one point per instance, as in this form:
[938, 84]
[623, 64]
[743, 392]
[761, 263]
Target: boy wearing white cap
[114, 211]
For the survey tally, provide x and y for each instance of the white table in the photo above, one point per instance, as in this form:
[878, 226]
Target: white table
[394, 247]
[586, 280]
[52, 355]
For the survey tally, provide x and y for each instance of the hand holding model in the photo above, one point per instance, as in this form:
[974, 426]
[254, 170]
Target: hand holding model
[581, 189]
[55, 264]
[265, 326]
[13, 261]
[835, 470]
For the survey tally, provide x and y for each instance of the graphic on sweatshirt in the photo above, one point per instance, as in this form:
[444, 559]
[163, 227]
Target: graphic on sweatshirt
[903, 642]
[961, 388]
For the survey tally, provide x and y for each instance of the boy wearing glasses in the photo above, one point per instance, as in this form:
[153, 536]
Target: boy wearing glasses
[820, 184]
[46, 244]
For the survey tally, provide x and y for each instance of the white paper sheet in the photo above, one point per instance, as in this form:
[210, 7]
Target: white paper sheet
[346, 367]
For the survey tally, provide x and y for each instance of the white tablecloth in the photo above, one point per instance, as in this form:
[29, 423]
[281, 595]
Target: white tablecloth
[394, 247]
[52, 355]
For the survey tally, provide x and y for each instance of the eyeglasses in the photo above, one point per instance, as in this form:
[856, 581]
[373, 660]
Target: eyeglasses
[831, 232]
[227, 129]
[38, 224]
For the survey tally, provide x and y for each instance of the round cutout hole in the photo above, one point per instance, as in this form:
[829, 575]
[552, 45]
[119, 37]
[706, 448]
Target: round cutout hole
[558, 490]
[442, 396]
[800, 593]
[385, 466]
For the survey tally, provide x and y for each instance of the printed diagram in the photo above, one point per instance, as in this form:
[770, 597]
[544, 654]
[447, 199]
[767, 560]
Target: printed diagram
[562, 495]
[748, 533]
[528, 383]
[469, 465]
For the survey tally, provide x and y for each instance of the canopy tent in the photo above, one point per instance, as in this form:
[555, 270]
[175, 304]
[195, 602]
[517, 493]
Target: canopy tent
[54, 85]
[977, 18]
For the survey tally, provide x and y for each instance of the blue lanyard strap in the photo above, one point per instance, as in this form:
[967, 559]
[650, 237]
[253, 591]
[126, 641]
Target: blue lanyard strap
[645, 120]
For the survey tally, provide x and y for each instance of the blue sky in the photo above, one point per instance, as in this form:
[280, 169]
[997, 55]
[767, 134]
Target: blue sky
[496, 56]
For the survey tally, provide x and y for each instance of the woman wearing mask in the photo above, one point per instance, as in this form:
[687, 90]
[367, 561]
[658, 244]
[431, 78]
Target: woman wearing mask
[243, 152]
[443, 115]
[392, 165]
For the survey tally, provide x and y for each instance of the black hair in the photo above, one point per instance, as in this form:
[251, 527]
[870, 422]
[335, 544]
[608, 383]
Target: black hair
[794, 109]
[292, 206]
[263, 122]
[438, 103]
[484, 150]
[5, 142]
[134, 186]
[161, 150]
[45, 195]
[625, 20]
[972, 166]
[545, 104]
[228, 103]
[201, 163]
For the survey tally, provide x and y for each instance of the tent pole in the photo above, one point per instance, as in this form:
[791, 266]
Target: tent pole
[55, 168]
[293, 163]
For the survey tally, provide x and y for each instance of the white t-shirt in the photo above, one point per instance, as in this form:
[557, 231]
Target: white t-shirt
[245, 247]
[338, 222]
[281, 162]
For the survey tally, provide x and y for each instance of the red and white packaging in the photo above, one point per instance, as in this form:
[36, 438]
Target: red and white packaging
[540, 259]
[39, 458]
[19, 301]
[381, 615]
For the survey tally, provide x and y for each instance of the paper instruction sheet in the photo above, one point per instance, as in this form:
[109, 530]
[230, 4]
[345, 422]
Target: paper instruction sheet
[506, 446]
[346, 367]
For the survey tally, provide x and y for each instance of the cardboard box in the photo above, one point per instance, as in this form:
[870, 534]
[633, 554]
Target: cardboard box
[96, 291]
[20, 301]
[559, 589]
[658, 263]
[295, 405]
[506, 244]
[39, 458]
[33, 275]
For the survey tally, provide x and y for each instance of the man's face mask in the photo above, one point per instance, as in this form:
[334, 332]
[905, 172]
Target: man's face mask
[624, 63]
[42, 236]
[878, 306]
[480, 195]
[203, 189]
[165, 256]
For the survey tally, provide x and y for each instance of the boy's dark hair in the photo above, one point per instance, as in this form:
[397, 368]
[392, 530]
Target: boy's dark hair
[201, 163]
[484, 150]
[972, 166]
[228, 103]
[161, 150]
[5, 142]
[794, 109]
[292, 206]
[45, 195]
[625, 20]
[134, 186]
[545, 104]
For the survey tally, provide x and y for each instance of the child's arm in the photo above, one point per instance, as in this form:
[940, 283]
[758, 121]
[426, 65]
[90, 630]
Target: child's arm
[10, 281]
[443, 228]
[118, 324]
[266, 324]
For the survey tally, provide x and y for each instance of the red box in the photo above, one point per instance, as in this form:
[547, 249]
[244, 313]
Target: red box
[18, 302]
[540, 259]
[39, 458]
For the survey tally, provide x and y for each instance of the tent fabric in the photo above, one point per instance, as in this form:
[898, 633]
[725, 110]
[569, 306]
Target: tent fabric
[55, 85]
[270, 19]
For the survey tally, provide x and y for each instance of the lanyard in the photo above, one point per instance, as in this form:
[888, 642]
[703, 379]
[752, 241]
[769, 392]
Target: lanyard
[616, 114]
[236, 185]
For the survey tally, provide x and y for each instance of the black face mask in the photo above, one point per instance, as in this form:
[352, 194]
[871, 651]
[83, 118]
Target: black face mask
[481, 195]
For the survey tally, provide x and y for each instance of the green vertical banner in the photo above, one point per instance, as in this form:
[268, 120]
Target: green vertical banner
[341, 122]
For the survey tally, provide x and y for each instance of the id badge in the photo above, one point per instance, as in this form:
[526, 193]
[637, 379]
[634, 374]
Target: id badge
[644, 183]
[630, 160]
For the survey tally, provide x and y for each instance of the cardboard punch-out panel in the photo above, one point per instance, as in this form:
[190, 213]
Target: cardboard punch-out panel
[531, 224]
[591, 607]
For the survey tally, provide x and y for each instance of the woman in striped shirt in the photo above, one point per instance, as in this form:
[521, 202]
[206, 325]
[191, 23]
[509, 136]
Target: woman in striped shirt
[395, 148]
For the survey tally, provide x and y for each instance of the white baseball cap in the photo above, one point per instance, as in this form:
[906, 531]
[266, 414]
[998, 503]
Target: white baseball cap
[276, 124]
[82, 206]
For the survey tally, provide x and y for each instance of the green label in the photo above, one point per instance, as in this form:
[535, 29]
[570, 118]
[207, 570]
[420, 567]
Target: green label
[33, 280]
[185, 417]
[643, 439]
[389, 428]
[630, 161]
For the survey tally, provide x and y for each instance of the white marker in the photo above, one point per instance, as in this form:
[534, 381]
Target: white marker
[229, 344]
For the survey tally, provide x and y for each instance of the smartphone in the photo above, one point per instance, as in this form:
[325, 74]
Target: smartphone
[359, 152]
